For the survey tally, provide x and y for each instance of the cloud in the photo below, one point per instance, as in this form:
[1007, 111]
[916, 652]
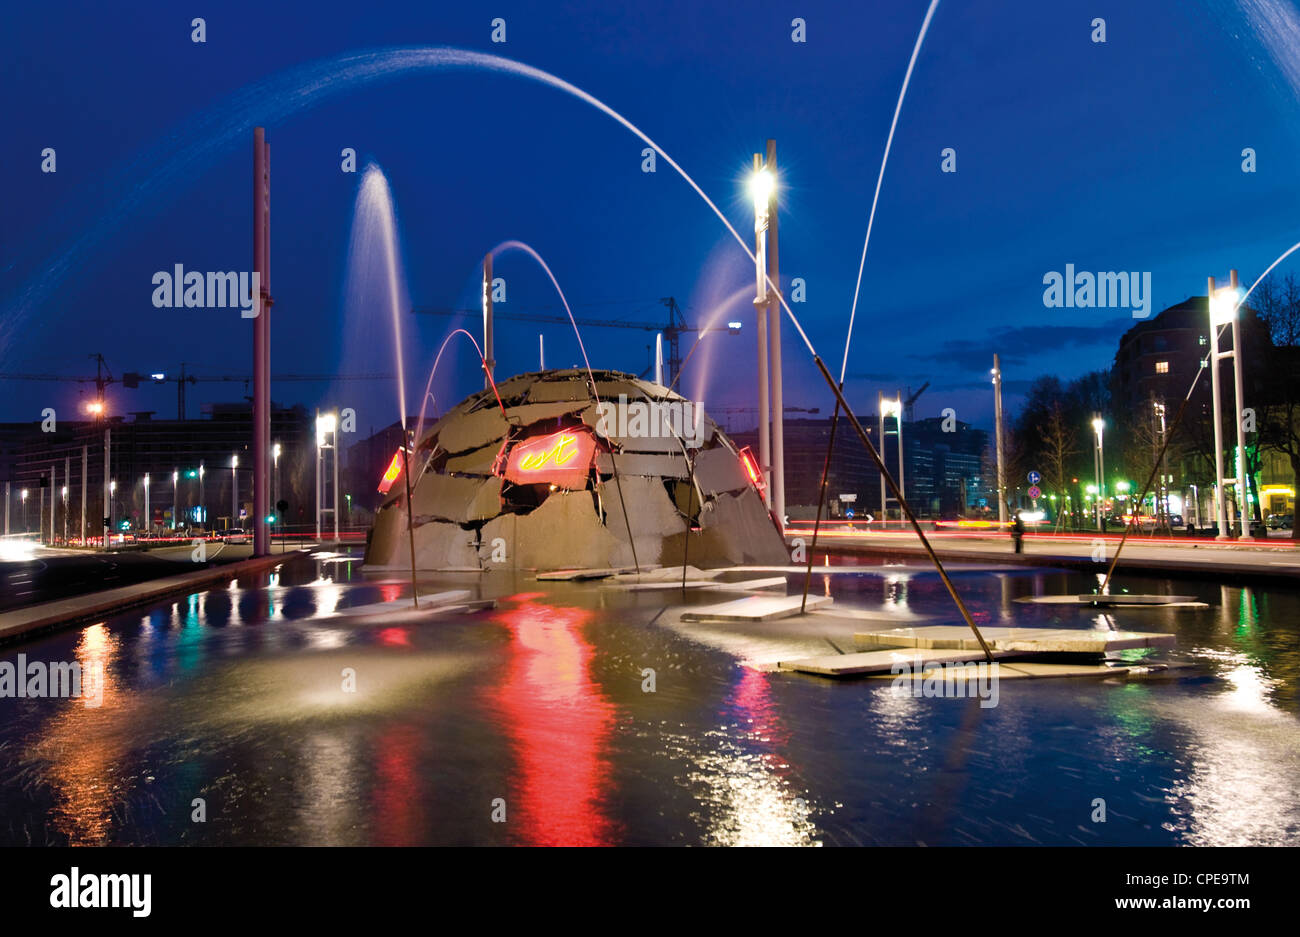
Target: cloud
[1016, 344]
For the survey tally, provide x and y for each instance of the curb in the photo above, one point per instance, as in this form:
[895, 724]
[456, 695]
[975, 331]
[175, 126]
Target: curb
[46, 616]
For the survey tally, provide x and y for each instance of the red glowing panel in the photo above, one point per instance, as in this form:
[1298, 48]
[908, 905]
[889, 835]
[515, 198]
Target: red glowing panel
[562, 459]
[751, 468]
[391, 473]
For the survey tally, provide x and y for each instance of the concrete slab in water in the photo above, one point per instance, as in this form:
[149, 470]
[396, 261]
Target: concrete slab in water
[884, 661]
[1040, 640]
[755, 608]
[1122, 599]
[568, 575]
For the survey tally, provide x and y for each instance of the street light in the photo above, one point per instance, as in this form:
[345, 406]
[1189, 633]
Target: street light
[148, 517]
[1223, 309]
[762, 184]
[234, 489]
[886, 407]
[176, 498]
[326, 426]
[1098, 425]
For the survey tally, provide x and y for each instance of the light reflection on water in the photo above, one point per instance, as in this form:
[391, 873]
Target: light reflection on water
[234, 695]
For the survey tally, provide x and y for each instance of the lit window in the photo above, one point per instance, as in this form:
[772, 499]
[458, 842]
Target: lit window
[1162, 367]
[1204, 340]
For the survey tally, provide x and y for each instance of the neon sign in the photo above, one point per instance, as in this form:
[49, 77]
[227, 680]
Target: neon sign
[751, 468]
[562, 459]
[391, 474]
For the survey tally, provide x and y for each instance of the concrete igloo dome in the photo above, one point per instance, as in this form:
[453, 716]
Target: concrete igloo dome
[543, 485]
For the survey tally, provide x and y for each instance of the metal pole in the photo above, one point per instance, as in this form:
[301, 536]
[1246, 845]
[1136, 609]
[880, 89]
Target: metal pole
[261, 340]
[7, 495]
[659, 358]
[108, 507]
[318, 445]
[490, 362]
[1220, 507]
[884, 452]
[234, 490]
[1243, 491]
[40, 537]
[760, 308]
[1101, 478]
[148, 517]
[541, 352]
[334, 445]
[997, 431]
[774, 346]
[67, 491]
[85, 462]
[898, 420]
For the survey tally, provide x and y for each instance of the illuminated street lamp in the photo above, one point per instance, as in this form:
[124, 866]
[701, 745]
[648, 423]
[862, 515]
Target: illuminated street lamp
[176, 498]
[327, 438]
[1223, 307]
[886, 407]
[1099, 463]
[24, 510]
[762, 184]
[148, 518]
[234, 489]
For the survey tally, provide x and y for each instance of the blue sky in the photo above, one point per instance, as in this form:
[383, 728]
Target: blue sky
[1117, 156]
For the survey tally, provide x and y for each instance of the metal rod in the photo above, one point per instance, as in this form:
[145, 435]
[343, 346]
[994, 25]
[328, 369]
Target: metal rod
[902, 502]
[821, 500]
[410, 516]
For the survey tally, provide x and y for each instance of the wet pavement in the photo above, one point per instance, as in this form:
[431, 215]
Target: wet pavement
[532, 723]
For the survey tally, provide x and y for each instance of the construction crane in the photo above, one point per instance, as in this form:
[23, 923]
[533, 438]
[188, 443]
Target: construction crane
[672, 329]
[133, 379]
[911, 400]
[734, 410]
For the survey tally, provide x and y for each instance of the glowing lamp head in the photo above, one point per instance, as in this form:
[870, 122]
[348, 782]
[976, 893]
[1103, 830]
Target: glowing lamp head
[761, 186]
[1098, 424]
[326, 423]
[96, 407]
[1223, 305]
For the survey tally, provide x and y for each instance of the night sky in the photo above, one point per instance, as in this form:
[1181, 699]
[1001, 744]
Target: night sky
[1117, 156]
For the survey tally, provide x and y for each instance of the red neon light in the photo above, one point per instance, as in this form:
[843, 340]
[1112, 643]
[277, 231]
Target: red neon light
[751, 468]
[562, 459]
[393, 471]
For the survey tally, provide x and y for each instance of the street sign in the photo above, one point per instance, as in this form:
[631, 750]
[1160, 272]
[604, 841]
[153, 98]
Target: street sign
[1034, 479]
[849, 498]
[1035, 492]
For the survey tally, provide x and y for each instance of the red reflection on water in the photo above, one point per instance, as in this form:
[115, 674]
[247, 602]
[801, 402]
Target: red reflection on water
[752, 696]
[390, 592]
[559, 723]
[395, 637]
[396, 796]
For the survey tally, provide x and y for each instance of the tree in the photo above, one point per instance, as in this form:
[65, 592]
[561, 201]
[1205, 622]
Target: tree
[1059, 446]
[1280, 420]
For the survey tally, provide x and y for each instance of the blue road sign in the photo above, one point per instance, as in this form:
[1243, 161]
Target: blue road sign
[1034, 478]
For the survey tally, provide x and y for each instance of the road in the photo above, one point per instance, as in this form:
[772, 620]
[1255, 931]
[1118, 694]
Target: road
[1276, 558]
[58, 574]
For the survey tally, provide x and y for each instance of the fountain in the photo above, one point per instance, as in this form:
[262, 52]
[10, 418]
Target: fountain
[523, 481]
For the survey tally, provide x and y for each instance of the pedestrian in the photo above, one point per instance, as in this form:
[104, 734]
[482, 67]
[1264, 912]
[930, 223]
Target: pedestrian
[1018, 533]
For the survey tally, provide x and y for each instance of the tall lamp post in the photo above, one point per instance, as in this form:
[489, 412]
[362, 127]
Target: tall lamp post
[761, 184]
[1098, 425]
[176, 498]
[997, 431]
[234, 490]
[1223, 305]
[148, 517]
